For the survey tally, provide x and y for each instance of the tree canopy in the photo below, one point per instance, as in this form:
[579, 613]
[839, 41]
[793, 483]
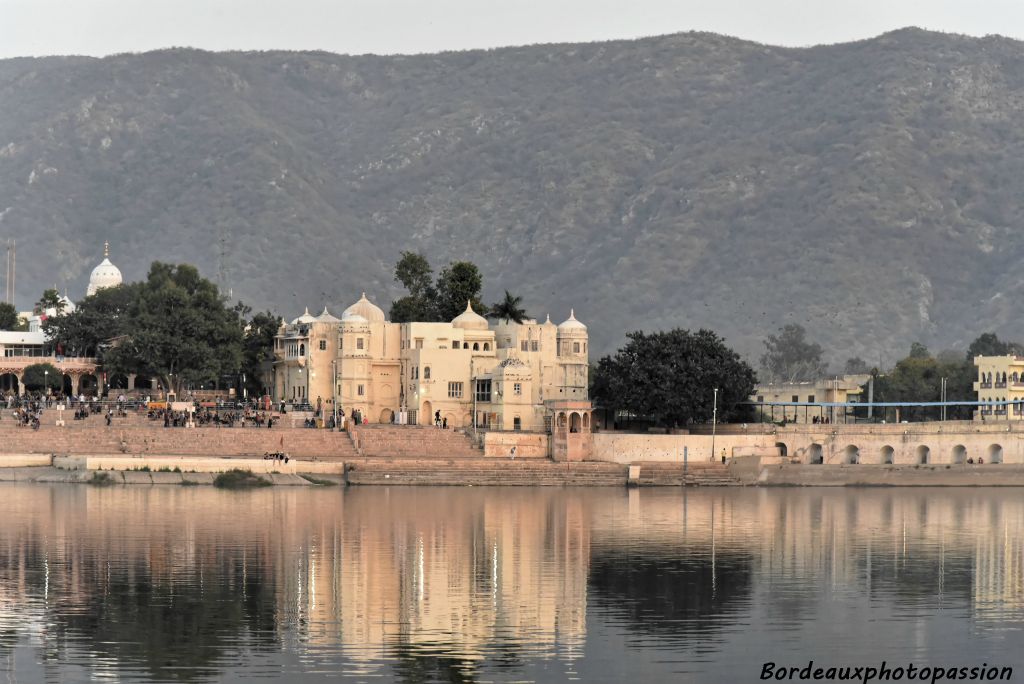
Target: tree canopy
[175, 326]
[671, 376]
[443, 300]
[9, 319]
[257, 349]
[789, 357]
[40, 375]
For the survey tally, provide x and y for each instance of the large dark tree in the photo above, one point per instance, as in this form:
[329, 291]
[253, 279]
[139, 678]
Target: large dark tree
[180, 330]
[989, 344]
[918, 378]
[789, 357]
[459, 282]
[671, 376]
[413, 271]
[98, 319]
[258, 349]
[40, 375]
[9, 317]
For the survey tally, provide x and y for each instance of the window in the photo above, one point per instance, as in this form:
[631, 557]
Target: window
[534, 345]
[455, 344]
[796, 399]
[483, 390]
[517, 389]
[487, 346]
[340, 340]
[323, 345]
[302, 350]
[517, 423]
[524, 346]
[454, 390]
[419, 343]
[414, 373]
[359, 343]
[476, 346]
[360, 390]
[575, 347]
[810, 398]
[426, 372]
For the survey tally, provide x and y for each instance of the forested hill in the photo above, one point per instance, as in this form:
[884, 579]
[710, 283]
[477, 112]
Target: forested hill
[869, 191]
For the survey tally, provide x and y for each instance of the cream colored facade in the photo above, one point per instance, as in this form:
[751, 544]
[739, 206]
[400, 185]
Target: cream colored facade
[1000, 379]
[842, 390]
[508, 375]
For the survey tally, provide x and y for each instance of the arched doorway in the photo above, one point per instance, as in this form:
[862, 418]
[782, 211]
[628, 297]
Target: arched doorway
[959, 454]
[887, 453]
[88, 385]
[995, 454]
[427, 414]
[9, 383]
[66, 385]
[815, 455]
[575, 424]
[386, 416]
[783, 449]
[923, 454]
[851, 455]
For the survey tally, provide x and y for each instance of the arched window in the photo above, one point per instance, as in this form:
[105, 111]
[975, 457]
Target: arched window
[426, 372]
[1015, 377]
[476, 346]
[487, 346]
[302, 350]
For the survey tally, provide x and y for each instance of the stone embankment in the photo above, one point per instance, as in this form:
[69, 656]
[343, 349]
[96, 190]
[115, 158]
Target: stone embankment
[942, 475]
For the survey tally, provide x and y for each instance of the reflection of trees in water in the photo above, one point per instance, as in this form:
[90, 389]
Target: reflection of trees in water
[174, 625]
[417, 666]
[671, 596]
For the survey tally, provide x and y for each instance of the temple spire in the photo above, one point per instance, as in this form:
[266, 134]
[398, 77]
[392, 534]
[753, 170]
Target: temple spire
[106, 249]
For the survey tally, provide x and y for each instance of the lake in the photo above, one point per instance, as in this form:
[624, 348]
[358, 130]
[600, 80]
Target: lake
[468, 584]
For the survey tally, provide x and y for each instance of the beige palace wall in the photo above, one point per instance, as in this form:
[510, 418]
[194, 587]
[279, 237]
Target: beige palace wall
[835, 443]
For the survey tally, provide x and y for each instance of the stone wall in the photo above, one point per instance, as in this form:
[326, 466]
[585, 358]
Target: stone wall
[623, 447]
[527, 444]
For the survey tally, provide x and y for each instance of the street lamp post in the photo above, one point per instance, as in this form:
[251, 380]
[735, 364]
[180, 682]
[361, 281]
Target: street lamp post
[334, 392]
[46, 383]
[714, 423]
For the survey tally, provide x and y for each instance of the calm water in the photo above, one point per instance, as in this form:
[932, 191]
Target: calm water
[475, 584]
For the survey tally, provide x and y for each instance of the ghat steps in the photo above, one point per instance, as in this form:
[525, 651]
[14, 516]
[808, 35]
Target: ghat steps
[483, 471]
[412, 441]
[694, 474]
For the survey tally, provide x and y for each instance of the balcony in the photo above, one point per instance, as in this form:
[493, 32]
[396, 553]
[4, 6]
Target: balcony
[67, 364]
[1000, 385]
[983, 385]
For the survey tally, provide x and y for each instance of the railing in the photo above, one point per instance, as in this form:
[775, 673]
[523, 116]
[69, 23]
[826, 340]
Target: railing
[1000, 384]
[985, 385]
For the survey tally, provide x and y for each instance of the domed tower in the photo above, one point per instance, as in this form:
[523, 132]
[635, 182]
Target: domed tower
[572, 358]
[104, 275]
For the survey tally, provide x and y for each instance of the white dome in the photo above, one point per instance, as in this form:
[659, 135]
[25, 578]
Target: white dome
[365, 308]
[352, 318]
[304, 318]
[326, 317]
[571, 324]
[104, 275]
[470, 319]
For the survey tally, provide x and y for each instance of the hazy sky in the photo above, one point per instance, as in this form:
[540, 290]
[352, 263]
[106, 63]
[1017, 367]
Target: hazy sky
[100, 27]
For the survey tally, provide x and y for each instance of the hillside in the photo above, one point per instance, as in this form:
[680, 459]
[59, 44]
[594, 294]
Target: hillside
[870, 191]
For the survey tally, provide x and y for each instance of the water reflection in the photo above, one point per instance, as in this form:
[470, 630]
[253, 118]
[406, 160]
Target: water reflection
[436, 584]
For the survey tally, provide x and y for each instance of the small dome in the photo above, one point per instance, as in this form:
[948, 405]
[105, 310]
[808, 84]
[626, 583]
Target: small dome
[67, 306]
[104, 275]
[365, 308]
[470, 319]
[326, 317]
[352, 318]
[571, 324]
[304, 318]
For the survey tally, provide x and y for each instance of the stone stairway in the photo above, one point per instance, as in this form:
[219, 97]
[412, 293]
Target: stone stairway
[412, 441]
[88, 437]
[483, 472]
[654, 474]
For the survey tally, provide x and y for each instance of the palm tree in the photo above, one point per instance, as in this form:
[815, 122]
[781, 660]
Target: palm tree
[509, 310]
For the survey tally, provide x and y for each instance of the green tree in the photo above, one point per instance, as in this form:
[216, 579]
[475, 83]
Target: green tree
[458, 283]
[49, 300]
[919, 351]
[258, 350]
[989, 344]
[509, 309]
[98, 319]
[40, 375]
[789, 357]
[670, 377]
[413, 271]
[918, 378]
[9, 319]
[179, 329]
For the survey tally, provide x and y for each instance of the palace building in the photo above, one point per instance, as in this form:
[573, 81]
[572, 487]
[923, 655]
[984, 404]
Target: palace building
[501, 375]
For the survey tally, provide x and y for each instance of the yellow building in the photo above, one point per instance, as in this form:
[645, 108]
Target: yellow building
[1000, 379]
[506, 375]
[840, 390]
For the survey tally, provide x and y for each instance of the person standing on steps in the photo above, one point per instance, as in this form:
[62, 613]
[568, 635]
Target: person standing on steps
[512, 453]
[437, 419]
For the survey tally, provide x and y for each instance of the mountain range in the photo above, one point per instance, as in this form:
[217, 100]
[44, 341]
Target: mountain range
[869, 191]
